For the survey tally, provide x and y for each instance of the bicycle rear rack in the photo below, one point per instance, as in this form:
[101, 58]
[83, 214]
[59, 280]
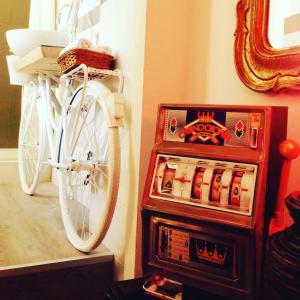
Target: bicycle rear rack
[79, 73]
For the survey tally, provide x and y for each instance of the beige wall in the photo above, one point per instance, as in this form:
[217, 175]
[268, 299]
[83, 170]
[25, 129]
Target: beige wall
[42, 14]
[13, 14]
[122, 27]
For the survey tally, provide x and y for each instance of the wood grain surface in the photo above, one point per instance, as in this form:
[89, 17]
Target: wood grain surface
[32, 237]
[42, 58]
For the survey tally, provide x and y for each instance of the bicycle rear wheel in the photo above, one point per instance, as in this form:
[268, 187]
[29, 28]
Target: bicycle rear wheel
[88, 190]
[31, 140]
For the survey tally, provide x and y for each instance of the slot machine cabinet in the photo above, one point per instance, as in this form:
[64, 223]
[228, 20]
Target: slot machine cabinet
[209, 194]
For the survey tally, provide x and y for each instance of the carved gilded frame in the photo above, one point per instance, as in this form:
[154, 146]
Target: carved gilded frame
[260, 66]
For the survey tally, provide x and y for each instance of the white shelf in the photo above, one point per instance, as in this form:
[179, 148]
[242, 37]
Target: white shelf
[39, 59]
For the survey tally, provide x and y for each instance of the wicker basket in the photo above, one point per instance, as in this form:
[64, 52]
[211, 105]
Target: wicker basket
[73, 58]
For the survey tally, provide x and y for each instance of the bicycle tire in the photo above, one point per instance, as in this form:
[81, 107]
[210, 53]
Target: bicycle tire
[31, 141]
[88, 197]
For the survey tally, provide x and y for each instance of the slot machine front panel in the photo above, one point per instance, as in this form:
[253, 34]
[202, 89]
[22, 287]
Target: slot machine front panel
[210, 127]
[201, 252]
[219, 185]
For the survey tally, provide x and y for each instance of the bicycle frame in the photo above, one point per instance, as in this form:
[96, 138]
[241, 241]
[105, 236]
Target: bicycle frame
[80, 131]
[53, 126]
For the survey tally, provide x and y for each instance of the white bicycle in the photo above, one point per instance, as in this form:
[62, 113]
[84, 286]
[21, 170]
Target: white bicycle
[79, 138]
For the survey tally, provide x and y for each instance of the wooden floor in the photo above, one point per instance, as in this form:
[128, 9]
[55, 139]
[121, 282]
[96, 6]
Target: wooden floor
[32, 237]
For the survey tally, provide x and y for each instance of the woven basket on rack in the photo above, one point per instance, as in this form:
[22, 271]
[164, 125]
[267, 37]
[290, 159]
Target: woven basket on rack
[73, 58]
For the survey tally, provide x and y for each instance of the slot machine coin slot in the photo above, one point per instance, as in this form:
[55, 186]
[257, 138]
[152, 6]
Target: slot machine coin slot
[253, 137]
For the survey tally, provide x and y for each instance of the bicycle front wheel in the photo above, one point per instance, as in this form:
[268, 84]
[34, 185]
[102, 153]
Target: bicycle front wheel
[31, 140]
[88, 190]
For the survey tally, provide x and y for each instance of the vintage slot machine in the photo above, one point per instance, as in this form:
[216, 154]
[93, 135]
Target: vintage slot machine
[209, 194]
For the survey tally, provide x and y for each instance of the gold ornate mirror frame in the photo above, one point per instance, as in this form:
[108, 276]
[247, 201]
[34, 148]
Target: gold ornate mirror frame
[260, 66]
